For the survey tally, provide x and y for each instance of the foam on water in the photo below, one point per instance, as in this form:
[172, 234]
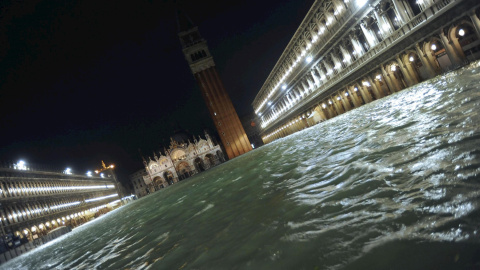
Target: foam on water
[391, 185]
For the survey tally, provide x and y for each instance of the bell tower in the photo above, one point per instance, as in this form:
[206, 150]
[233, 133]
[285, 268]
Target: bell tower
[222, 112]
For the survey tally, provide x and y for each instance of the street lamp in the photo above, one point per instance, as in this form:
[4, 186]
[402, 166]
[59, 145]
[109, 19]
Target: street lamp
[67, 171]
[21, 165]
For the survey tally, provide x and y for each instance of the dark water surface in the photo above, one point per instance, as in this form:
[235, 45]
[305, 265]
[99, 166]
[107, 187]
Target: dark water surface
[392, 185]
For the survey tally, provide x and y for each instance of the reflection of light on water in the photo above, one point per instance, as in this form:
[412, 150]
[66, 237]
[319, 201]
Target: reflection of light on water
[403, 168]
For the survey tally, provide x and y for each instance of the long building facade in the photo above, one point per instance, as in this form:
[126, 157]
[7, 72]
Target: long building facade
[351, 52]
[33, 203]
[228, 125]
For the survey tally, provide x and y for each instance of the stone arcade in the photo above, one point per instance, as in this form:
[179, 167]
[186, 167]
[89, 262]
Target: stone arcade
[351, 52]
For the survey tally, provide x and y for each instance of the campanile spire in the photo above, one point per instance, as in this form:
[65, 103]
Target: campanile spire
[221, 109]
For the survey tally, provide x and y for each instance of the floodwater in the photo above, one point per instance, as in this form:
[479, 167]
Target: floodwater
[392, 185]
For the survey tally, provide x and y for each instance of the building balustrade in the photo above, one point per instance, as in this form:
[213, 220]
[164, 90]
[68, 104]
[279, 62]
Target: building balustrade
[328, 75]
[34, 202]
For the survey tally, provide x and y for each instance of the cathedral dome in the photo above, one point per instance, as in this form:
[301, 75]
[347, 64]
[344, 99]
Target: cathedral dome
[181, 136]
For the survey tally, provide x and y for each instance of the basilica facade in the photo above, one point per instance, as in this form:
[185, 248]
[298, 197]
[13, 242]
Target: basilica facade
[181, 160]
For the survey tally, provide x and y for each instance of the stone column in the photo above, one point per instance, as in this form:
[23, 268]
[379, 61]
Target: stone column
[387, 79]
[367, 98]
[401, 11]
[475, 22]
[336, 62]
[315, 78]
[454, 56]
[404, 71]
[378, 94]
[356, 45]
[346, 56]
[384, 28]
[353, 95]
[413, 71]
[371, 39]
[311, 86]
[321, 112]
[322, 74]
[425, 62]
[345, 101]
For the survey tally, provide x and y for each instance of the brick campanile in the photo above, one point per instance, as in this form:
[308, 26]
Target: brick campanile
[221, 109]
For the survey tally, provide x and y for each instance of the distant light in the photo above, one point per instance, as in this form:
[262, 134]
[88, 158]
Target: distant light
[309, 59]
[102, 175]
[367, 84]
[269, 103]
[461, 32]
[214, 113]
[338, 98]
[393, 68]
[378, 77]
[433, 47]
[346, 94]
[253, 145]
[411, 59]
[21, 165]
[330, 102]
[89, 174]
[355, 89]
[67, 171]
[324, 106]
[284, 86]
[111, 166]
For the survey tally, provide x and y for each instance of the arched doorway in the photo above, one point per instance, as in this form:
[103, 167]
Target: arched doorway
[396, 75]
[415, 66]
[157, 183]
[211, 159]
[183, 170]
[199, 165]
[437, 55]
[465, 39]
[168, 175]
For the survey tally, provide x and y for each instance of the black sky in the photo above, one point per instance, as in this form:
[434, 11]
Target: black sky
[84, 81]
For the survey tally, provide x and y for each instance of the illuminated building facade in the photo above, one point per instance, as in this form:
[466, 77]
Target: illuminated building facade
[222, 112]
[181, 160]
[351, 52]
[140, 189]
[33, 202]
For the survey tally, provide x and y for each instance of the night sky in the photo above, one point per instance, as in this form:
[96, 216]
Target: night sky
[85, 81]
